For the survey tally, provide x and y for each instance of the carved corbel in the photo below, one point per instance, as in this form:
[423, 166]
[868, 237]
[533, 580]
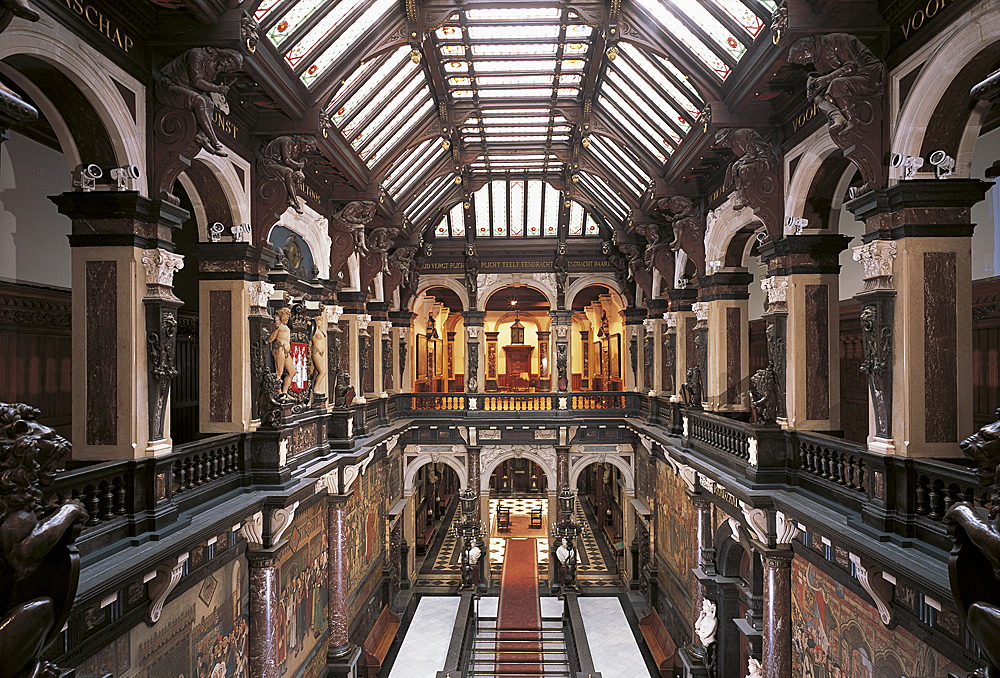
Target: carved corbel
[165, 580]
[347, 232]
[755, 176]
[756, 521]
[870, 577]
[281, 520]
[376, 260]
[279, 166]
[849, 87]
[688, 227]
[253, 529]
[327, 482]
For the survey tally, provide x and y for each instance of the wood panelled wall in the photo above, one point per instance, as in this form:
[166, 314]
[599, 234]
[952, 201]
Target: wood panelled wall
[36, 350]
[985, 346]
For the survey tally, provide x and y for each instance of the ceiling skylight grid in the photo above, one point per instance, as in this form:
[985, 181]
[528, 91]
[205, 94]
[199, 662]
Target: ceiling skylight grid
[601, 191]
[406, 164]
[408, 188]
[514, 207]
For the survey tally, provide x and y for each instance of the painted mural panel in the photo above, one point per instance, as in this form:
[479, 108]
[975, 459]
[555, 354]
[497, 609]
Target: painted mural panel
[675, 534]
[836, 634]
[303, 594]
[200, 634]
[366, 523]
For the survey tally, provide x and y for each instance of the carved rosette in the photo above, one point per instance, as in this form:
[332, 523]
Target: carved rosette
[876, 257]
[161, 332]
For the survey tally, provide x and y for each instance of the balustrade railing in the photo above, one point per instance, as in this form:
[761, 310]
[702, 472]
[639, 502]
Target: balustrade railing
[519, 402]
[195, 465]
[833, 459]
[939, 484]
[434, 401]
[725, 435]
[103, 489]
[599, 401]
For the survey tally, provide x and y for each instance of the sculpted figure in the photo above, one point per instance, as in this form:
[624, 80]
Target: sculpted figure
[561, 266]
[975, 554]
[471, 274]
[189, 81]
[381, 242]
[755, 158]
[691, 389]
[39, 567]
[764, 394]
[282, 159]
[470, 563]
[318, 348]
[281, 349]
[352, 219]
[621, 267]
[402, 260]
[344, 394]
[707, 624]
[753, 669]
[688, 228]
[846, 73]
[566, 555]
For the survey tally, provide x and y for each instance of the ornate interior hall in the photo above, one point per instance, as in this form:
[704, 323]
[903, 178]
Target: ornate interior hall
[469, 338]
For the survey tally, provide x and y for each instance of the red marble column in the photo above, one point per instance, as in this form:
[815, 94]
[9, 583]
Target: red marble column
[262, 627]
[342, 655]
[777, 648]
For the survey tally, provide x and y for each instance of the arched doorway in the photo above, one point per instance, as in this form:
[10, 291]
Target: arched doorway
[436, 488]
[518, 341]
[439, 342]
[518, 476]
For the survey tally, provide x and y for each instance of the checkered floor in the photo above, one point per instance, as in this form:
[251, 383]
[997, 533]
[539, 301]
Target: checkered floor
[592, 571]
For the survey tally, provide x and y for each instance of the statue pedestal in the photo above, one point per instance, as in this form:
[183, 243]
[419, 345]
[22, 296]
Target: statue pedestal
[693, 662]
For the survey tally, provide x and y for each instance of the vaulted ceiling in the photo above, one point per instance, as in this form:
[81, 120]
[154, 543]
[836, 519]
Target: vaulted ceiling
[458, 111]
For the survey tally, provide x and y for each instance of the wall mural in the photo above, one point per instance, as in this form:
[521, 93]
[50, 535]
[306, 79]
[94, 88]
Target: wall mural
[201, 634]
[836, 634]
[302, 598]
[366, 525]
[675, 536]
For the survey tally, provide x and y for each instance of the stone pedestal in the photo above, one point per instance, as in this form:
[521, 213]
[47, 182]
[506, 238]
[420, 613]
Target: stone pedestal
[928, 406]
[262, 612]
[112, 231]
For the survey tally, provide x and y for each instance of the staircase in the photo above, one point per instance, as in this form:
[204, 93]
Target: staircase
[523, 653]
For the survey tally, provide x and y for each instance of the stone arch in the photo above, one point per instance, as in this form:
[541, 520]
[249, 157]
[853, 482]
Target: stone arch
[79, 63]
[949, 53]
[815, 150]
[536, 453]
[584, 281]
[728, 222]
[612, 458]
[236, 193]
[498, 281]
[428, 458]
[312, 227]
[427, 282]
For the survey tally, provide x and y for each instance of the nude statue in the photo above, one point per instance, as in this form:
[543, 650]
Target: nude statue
[318, 348]
[846, 73]
[282, 159]
[188, 82]
[707, 623]
[281, 349]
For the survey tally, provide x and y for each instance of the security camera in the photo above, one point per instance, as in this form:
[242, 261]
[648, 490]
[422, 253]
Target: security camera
[944, 164]
[86, 177]
[795, 225]
[215, 232]
[241, 232]
[682, 283]
[909, 163]
[125, 176]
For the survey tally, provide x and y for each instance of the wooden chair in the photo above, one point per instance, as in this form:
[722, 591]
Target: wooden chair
[379, 640]
[503, 519]
[536, 519]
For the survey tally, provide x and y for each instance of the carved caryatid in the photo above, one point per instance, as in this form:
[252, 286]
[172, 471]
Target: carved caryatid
[560, 265]
[347, 231]
[754, 175]
[39, 562]
[398, 266]
[471, 275]
[848, 86]
[637, 267]
[620, 264]
[975, 554]
[188, 84]
[283, 159]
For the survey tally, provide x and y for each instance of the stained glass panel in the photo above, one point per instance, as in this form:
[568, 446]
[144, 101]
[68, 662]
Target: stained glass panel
[534, 208]
[357, 28]
[328, 25]
[553, 203]
[481, 200]
[575, 218]
[299, 12]
[499, 189]
[592, 227]
[517, 208]
[458, 220]
[441, 230]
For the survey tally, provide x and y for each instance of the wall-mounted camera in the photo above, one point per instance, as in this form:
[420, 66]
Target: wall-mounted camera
[215, 232]
[909, 163]
[241, 232]
[944, 164]
[795, 225]
[125, 177]
[85, 177]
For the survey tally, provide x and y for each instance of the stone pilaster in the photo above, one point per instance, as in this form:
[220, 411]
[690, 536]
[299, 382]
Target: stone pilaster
[650, 349]
[364, 362]
[473, 352]
[111, 230]
[931, 316]
[161, 341]
[562, 326]
[669, 380]
[681, 301]
[776, 657]
[403, 381]
[701, 346]
[631, 340]
[776, 318]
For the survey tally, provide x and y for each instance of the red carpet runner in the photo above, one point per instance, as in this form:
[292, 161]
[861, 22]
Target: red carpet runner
[520, 609]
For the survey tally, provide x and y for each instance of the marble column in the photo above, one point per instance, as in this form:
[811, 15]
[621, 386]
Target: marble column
[776, 659]
[704, 559]
[365, 340]
[353, 304]
[930, 328]
[112, 231]
[650, 373]
[262, 612]
[775, 317]
[401, 321]
[562, 466]
[491, 358]
[811, 266]
[727, 374]
[681, 301]
[342, 655]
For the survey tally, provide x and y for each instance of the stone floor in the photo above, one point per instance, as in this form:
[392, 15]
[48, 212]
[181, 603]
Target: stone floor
[612, 644]
[425, 646]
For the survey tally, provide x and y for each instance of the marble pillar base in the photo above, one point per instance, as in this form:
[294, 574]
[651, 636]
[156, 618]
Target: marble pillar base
[342, 662]
[694, 665]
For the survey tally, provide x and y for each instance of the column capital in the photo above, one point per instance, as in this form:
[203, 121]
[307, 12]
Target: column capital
[473, 332]
[671, 320]
[700, 309]
[160, 266]
[876, 257]
[776, 289]
[258, 557]
[813, 253]
[474, 317]
[777, 559]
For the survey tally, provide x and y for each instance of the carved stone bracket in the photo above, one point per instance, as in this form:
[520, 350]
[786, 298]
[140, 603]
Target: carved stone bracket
[870, 577]
[279, 172]
[755, 176]
[347, 232]
[165, 580]
[253, 529]
[281, 520]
